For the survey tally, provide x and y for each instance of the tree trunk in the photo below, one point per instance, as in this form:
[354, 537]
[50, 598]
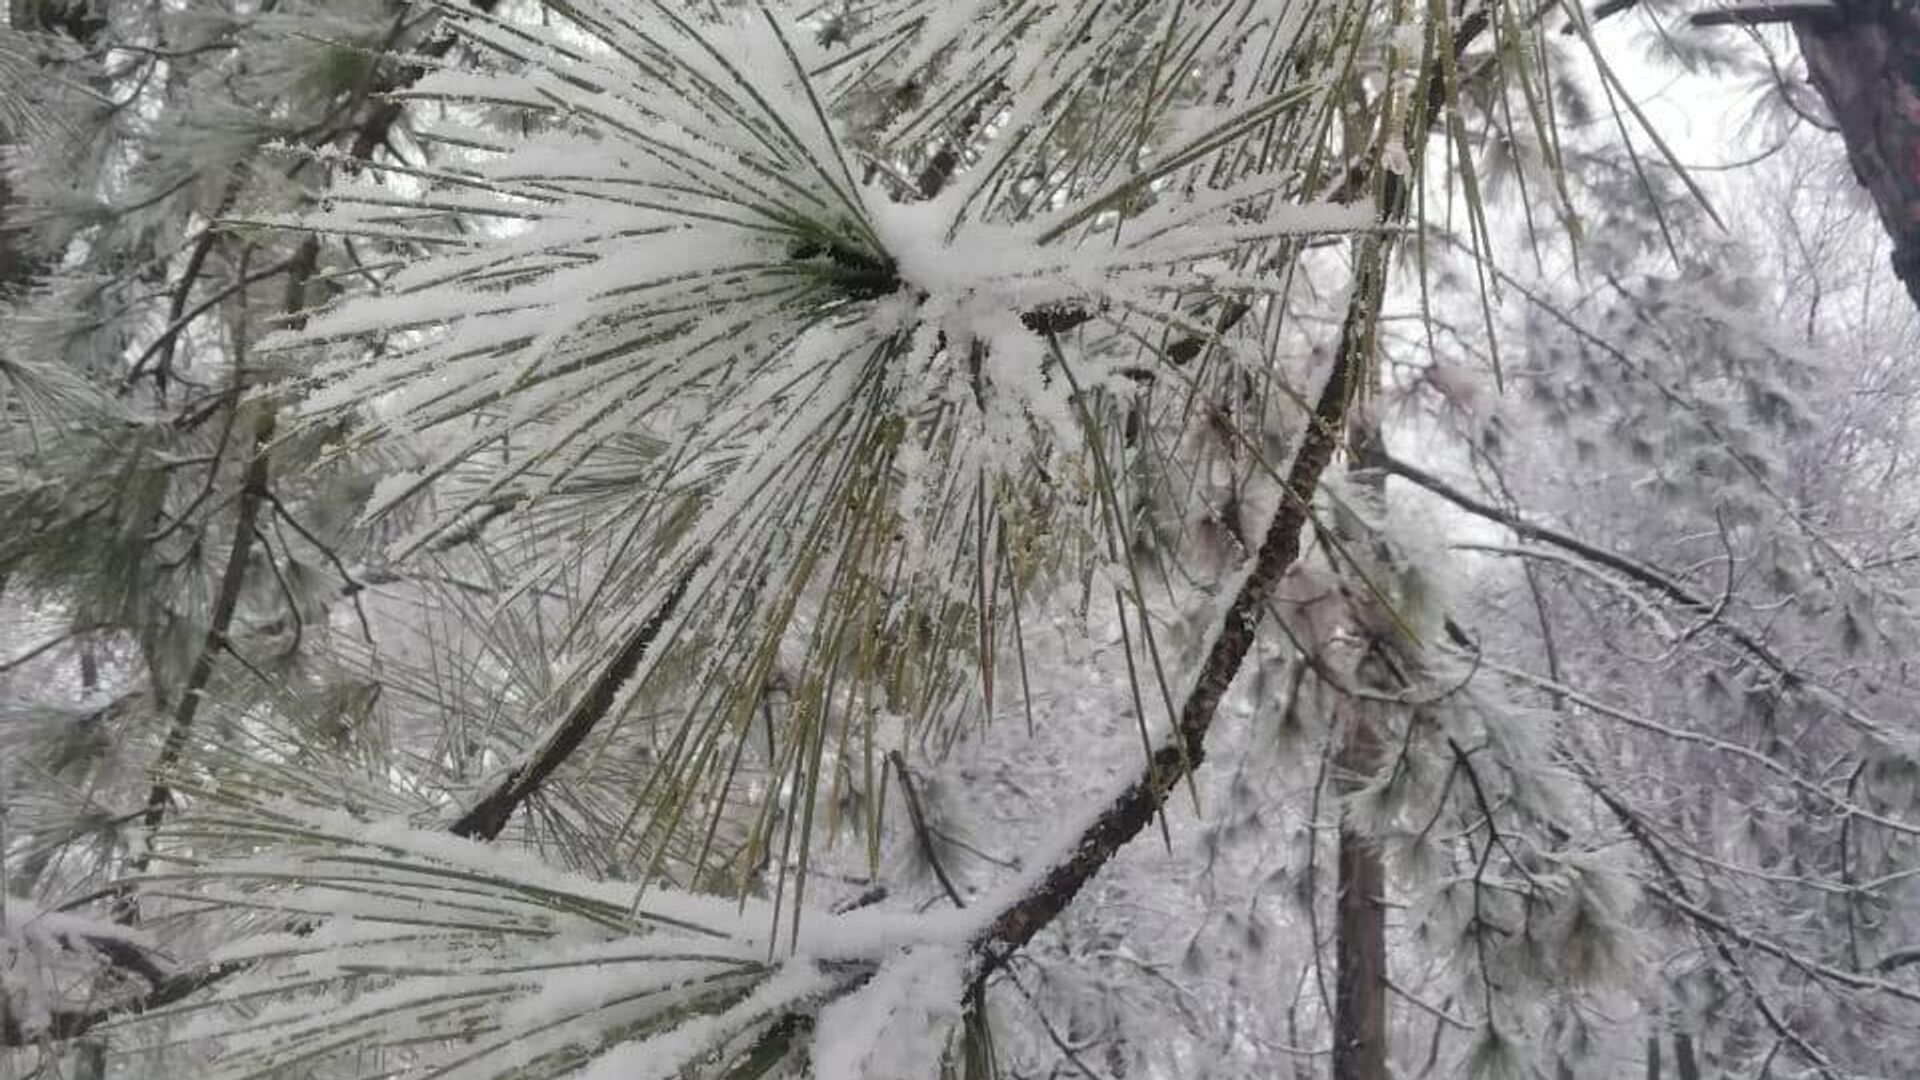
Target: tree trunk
[1360, 928]
[1360, 990]
[1866, 64]
[1685, 1062]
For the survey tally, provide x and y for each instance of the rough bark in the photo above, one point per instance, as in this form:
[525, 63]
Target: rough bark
[1360, 911]
[1360, 986]
[1866, 66]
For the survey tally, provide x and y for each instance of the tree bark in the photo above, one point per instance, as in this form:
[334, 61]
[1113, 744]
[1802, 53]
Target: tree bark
[1360, 989]
[1360, 912]
[1866, 66]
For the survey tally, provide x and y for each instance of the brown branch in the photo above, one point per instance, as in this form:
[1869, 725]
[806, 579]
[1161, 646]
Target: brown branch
[1168, 766]
[487, 817]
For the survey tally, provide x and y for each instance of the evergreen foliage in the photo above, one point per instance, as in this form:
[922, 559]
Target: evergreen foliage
[606, 539]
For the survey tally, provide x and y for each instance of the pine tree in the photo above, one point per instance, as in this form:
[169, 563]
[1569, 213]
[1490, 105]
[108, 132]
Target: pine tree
[669, 539]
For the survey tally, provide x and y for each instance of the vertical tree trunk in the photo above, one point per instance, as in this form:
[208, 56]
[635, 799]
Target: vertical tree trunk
[1865, 62]
[90, 1060]
[1685, 1062]
[1360, 989]
[1653, 1057]
[1360, 992]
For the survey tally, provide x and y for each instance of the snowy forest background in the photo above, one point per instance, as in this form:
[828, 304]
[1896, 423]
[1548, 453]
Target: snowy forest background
[875, 539]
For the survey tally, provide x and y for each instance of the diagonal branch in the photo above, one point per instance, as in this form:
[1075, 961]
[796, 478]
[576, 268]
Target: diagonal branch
[483, 821]
[487, 817]
[1135, 806]
[1712, 612]
[1637, 572]
[1169, 765]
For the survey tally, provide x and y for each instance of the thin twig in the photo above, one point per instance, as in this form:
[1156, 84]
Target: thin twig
[919, 820]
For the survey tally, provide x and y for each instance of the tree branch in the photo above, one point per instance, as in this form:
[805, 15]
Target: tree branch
[1171, 763]
[1767, 12]
[1894, 961]
[253, 492]
[1633, 570]
[486, 818]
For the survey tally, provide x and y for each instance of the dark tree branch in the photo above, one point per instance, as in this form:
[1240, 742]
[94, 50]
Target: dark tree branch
[1637, 572]
[1168, 766]
[163, 346]
[920, 831]
[1820, 13]
[487, 817]
[1894, 961]
[253, 493]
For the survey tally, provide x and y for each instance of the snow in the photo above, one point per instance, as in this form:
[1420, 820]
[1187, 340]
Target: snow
[40, 950]
[27, 923]
[899, 1025]
[666, 1054]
